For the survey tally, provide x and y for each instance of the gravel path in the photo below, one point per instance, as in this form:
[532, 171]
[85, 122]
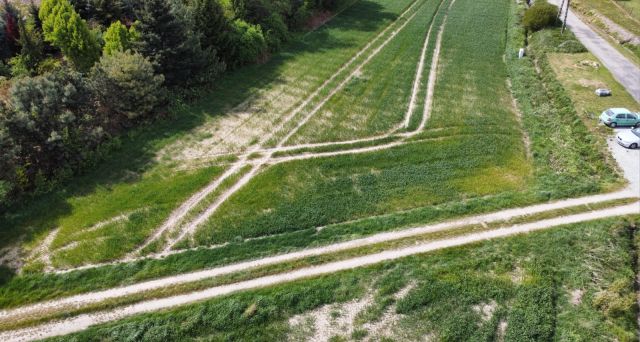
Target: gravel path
[83, 321]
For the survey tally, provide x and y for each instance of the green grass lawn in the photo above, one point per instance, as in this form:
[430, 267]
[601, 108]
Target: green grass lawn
[627, 14]
[570, 283]
[143, 179]
[624, 13]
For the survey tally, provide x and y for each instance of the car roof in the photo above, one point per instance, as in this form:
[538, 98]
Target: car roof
[620, 110]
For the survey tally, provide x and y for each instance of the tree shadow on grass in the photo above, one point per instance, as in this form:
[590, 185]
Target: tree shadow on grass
[137, 151]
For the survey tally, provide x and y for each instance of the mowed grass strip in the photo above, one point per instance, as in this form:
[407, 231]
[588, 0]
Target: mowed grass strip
[376, 100]
[522, 288]
[312, 193]
[140, 176]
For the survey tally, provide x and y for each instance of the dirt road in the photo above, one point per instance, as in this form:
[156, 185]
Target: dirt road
[82, 322]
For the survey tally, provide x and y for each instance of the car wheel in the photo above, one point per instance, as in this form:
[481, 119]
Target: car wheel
[638, 125]
[633, 146]
[613, 125]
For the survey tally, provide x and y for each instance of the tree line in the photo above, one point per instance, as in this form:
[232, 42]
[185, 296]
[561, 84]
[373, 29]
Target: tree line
[76, 73]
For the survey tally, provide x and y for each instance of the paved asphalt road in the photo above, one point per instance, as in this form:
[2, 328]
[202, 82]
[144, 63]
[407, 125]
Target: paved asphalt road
[627, 73]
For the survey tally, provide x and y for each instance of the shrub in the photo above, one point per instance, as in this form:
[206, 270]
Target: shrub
[542, 14]
[550, 40]
[276, 31]
[64, 28]
[31, 49]
[49, 126]
[250, 42]
[125, 86]
[9, 17]
[118, 38]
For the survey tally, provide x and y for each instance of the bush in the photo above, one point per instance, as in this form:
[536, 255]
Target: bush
[49, 125]
[125, 86]
[550, 40]
[250, 42]
[118, 38]
[64, 28]
[542, 14]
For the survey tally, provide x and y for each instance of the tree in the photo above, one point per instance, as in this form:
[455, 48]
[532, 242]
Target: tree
[103, 12]
[210, 21]
[49, 123]
[126, 87]
[542, 14]
[11, 31]
[31, 49]
[119, 38]
[249, 42]
[269, 15]
[64, 28]
[168, 42]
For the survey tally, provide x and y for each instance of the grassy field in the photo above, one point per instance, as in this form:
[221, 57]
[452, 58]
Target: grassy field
[624, 13]
[313, 193]
[144, 176]
[376, 100]
[471, 159]
[523, 288]
[580, 78]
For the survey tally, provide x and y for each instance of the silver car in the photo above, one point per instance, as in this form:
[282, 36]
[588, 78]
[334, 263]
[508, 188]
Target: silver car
[629, 138]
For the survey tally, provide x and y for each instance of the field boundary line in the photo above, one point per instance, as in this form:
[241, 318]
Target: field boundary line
[83, 321]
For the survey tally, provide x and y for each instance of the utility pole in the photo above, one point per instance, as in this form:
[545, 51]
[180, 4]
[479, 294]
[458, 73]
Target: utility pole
[560, 9]
[564, 22]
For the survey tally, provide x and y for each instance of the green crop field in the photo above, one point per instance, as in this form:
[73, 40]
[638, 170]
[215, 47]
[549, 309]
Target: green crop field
[323, 144]
[519, 289]
[473, 146]
[375, 101]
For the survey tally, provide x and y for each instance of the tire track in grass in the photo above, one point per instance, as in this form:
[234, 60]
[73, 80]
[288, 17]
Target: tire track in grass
[433, 74]
[188, 231]
[182, 211]
[418, 79]
[504, 215]
[81, 322]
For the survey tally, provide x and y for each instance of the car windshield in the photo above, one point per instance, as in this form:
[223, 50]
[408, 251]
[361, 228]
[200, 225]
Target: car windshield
[636, 132]
[610, 113]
